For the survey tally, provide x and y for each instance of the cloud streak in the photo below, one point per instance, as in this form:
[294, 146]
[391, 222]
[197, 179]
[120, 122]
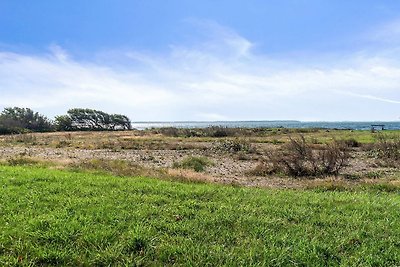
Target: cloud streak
[220, 78]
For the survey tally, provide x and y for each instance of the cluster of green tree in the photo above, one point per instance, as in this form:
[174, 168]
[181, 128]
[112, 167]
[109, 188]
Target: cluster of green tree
[20, 120]
[89, 119]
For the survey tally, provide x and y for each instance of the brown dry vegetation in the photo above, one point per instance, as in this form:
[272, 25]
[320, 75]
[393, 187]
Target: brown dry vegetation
[252, 157]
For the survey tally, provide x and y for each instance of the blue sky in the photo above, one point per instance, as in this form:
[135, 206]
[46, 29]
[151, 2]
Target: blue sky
[203, 60]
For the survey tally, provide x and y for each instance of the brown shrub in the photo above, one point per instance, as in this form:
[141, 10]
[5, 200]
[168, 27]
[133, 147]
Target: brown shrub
[387, 150]
[351, 142]
[299, 158]
[234, 146]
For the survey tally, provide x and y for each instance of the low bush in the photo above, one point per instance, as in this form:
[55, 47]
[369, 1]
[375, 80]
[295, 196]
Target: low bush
[234, 146]
[387, 149]
[263, 168]
[197, 164]
[220, 132]
[299, 158]
[351, 142]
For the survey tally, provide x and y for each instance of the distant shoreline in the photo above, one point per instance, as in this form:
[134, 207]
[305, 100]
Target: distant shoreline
[349, 125]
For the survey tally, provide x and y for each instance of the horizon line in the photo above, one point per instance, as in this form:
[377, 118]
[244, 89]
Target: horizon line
[297, 121]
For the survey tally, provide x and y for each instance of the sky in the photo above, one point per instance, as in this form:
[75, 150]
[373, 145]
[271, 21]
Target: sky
[208, 60]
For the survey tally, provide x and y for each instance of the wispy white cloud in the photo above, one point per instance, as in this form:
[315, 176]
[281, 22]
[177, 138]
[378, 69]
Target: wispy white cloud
[220, 78]
[388, 32]
[220, 39]
[391, 101]
[58, 52]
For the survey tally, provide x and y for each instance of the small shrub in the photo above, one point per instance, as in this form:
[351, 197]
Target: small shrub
[197, 164]
[351, 142]
[299, 158]
[192, 133]
[263, 169]
[387, 149]
[235, 145]
[219, 132]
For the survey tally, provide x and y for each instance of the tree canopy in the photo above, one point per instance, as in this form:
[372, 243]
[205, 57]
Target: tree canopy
[18, 120]
[21, 120]
[90, 119]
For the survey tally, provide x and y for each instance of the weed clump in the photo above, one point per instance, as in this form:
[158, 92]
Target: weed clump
[387, 149]
[299, 158]
[235, 146]
[351, 142]
[197, 164]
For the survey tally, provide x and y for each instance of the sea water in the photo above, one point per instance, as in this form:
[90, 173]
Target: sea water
[351, 125]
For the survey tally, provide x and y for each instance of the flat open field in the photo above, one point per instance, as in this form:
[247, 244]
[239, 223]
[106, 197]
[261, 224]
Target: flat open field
[187, 197]
[78, 218]
[232, 156]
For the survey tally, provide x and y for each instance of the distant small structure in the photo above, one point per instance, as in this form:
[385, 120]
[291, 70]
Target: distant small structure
[374, 127]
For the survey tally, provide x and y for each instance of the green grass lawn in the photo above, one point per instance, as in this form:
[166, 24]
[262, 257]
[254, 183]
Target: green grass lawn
[52, 217]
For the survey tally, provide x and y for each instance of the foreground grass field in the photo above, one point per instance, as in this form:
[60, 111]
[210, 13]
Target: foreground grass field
[53, 217]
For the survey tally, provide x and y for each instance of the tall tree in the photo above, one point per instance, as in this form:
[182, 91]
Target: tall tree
[16, 119]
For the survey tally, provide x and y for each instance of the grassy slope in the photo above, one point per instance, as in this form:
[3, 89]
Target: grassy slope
[60, 217]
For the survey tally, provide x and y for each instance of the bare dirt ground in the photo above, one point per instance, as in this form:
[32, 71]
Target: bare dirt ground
[159, 152]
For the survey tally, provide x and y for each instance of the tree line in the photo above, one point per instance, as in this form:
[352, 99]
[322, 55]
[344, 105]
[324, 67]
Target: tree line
[22, 120]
